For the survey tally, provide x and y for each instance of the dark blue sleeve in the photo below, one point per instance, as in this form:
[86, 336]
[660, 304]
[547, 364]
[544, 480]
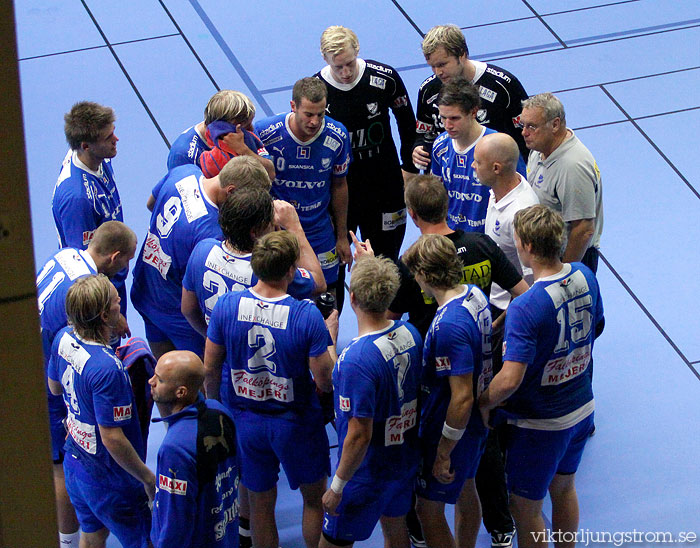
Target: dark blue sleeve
[520, 337]
[303, 285]
[453, 350]
[357, 391]
[175, 504]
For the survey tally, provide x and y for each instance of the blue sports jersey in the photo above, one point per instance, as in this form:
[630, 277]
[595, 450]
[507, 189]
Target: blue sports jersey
[83, 200]
[196, 503]
[551, 328]
[377, 377]
[268, 345]
[214, 270]
[96, 391]
[458, 343]
[52, 284]
[305, 170]
[183, 215]
[468, 199]
[187, 148]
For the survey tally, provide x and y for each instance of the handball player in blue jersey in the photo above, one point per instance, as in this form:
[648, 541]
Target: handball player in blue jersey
[376, 381]
[456, 369]
[109, 251]
[225, 132]
[272, 344]
[86, 195]
[216, 267]
[453, 155]
[185, 207]
[545, 381]
[312, 154]
[104, 464]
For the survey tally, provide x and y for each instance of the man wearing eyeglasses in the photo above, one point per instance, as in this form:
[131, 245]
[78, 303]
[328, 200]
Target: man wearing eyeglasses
[565, 177]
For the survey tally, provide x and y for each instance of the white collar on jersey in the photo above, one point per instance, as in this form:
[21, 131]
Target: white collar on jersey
[328, 77]
[82, 166]
[565, 270]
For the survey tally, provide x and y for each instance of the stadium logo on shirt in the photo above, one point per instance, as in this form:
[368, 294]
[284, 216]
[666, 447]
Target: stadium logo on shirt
[377, 82]
[443, 364]
[303, 153]
[487, 94]
[172, 486]
[122, 413]
[344, 403]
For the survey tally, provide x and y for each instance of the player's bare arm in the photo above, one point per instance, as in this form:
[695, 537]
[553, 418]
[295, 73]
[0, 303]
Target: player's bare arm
[503, 385]
[125, 455]
[458, 413]
[339, 209]
[214, 355]
[190, 309]
[354, 449]
[286, 217]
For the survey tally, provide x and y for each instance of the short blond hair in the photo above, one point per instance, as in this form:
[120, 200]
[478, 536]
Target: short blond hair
[244, 171]
[374, 283]
[87, 299]
[230, 106]
[435, 258]
[449, 37]
[336, 39]
[542, 228]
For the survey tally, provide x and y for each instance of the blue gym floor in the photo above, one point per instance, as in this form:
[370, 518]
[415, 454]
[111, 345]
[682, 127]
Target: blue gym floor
[628, 74]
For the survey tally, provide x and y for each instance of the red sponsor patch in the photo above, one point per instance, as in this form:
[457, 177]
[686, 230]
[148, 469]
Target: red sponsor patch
[304, 273]
[344, 403]
[122, 412]
[172, 486]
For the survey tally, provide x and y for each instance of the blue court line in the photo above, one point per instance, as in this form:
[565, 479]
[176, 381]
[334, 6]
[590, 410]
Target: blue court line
[97, 47]
[231, 57]
[611, 82]
[656, 148]
[649, 315]
[545, 24]
[547, 14]
[665, 26]
[126, 73]
[189, 45]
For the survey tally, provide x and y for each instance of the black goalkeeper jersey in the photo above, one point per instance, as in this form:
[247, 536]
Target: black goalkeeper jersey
[501, 96]
[363, 108]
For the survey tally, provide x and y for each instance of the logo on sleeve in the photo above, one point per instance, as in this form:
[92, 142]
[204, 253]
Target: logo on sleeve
[443, 364]
[331, 143]
[304, 273]
[377, 82]
[344, 403]
[401, 101]
[172, 486]
[87, 236]
[122, 413]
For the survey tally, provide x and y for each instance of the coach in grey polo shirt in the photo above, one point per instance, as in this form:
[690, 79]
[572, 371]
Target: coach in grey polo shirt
[565, 176]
